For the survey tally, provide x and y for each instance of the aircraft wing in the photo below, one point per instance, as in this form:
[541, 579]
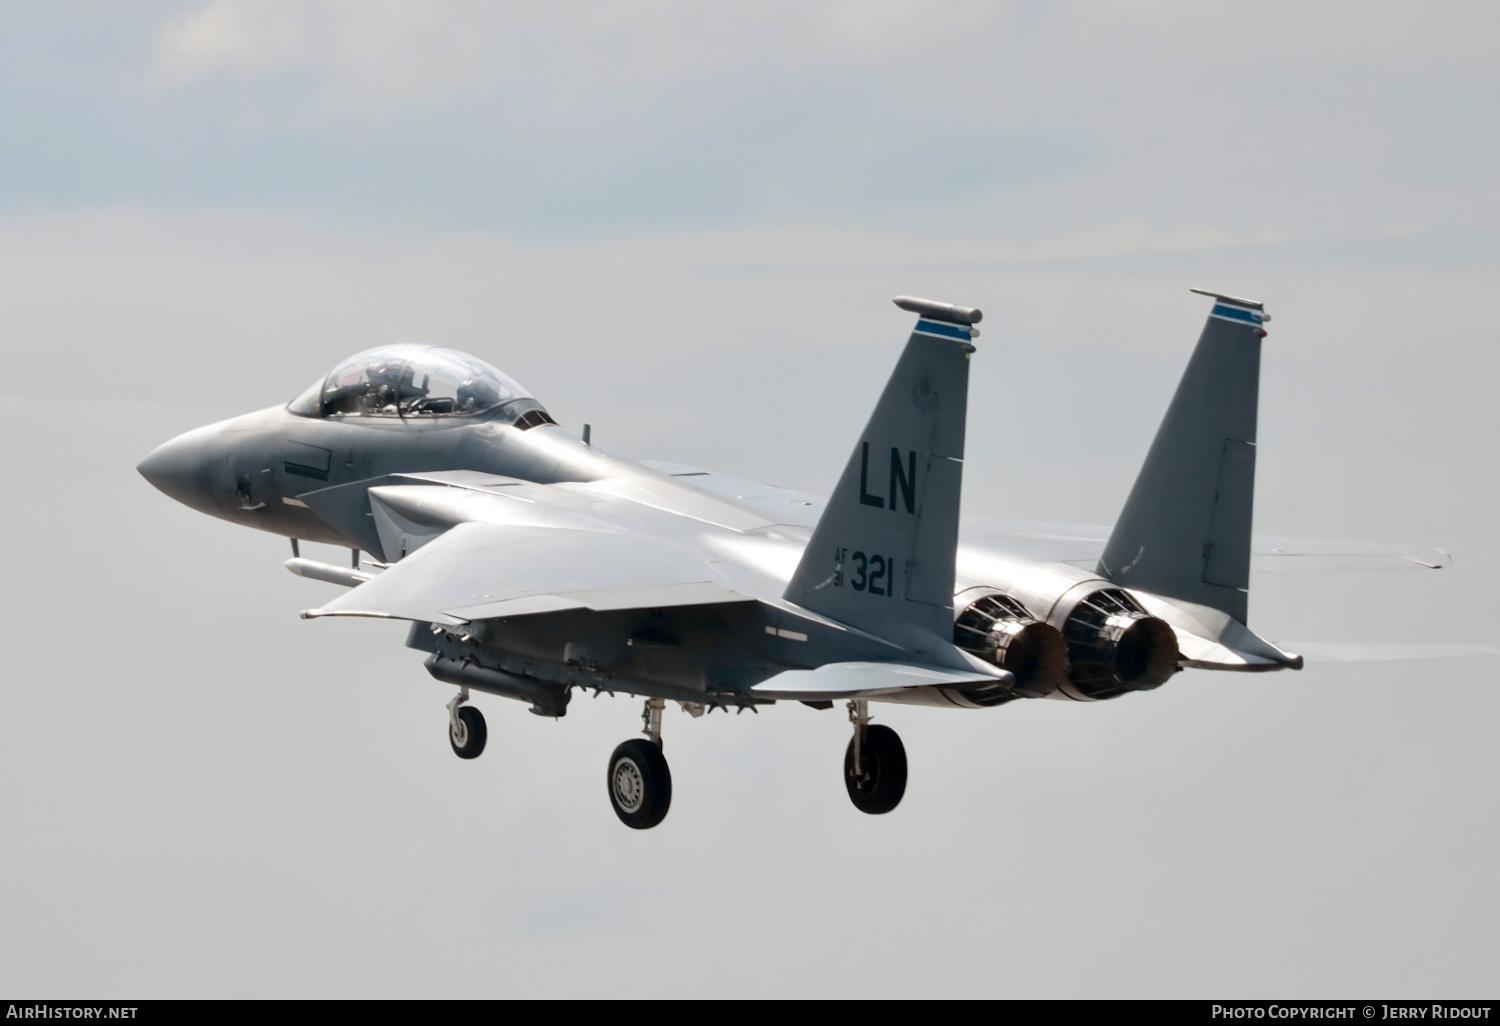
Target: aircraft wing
[1081, 545]
[481, 570]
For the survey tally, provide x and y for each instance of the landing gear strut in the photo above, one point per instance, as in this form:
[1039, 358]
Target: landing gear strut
[874, 763]
[640, 784]
[466, 729]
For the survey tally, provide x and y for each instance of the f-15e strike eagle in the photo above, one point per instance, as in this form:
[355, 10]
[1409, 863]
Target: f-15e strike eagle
[531, 563]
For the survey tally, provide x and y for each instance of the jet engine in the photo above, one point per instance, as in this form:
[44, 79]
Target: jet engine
[1109, 643]
[998, 628]
[1115, 646]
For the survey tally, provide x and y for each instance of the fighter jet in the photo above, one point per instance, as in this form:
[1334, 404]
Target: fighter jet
[531, 563]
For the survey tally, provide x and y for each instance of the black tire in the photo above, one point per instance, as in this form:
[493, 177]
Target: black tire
[469, 741]
[640, 784]
[883, 759]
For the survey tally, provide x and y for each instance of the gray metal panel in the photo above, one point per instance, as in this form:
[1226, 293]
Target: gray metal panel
[653, 596]
[1226, 557]
[1175, 513]
[524, 606]
[303, 460]
[677, 495]
[471, 479]
[929, 578]
[656, 596]
[776, 504]
[346, 508]
[903, 464]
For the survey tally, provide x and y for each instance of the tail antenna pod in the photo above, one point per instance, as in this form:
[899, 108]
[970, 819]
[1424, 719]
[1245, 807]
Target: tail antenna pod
[933, 310]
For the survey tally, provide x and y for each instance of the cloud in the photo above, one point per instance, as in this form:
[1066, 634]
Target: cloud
[385, 49]
[240, 38]
[363, 55]
[370, 57]
[248, 235]
[1006, 132]
[1451, 27]
[794, 246]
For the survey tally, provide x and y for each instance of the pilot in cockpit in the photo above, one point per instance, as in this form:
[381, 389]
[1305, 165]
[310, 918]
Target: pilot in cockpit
[409, 381]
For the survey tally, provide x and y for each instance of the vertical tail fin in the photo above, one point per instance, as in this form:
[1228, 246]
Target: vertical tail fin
[1185, 530]
[883, 552]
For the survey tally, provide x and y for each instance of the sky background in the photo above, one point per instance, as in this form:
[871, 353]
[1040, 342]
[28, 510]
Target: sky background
[683, 223]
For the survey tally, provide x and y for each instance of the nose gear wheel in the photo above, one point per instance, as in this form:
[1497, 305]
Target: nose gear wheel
[466, 730]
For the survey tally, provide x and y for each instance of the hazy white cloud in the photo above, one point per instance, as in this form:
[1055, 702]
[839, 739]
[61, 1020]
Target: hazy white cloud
[372, 52]
[367, 54]
[813, 246]
[363, 55]
[1433, 27]
[248, 235]
[252, 804]
[242, 38]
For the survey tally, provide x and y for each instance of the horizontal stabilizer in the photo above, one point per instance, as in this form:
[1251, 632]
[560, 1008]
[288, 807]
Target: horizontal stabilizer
[1275, 555]
[1211, 639]
[1080, 545]
[845, 680]
[1377, 651]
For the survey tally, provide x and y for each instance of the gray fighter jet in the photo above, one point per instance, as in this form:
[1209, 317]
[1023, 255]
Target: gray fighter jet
[531, 563]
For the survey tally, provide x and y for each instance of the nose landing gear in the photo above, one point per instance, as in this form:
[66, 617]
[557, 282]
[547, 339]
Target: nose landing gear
[466, 730]
[640, 784]
[874, 763]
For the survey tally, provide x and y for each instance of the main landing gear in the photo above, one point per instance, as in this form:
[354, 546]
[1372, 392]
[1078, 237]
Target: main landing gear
[874, 763]
[466, 730]
[640, 784]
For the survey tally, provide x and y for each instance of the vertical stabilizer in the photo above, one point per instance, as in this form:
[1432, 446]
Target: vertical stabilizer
[1185, 530]
[881, 558]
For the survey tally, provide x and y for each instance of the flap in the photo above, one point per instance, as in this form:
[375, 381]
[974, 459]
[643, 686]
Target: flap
[843, 680]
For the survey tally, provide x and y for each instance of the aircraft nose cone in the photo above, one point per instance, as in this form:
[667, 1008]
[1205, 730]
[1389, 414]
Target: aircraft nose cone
[182, 467]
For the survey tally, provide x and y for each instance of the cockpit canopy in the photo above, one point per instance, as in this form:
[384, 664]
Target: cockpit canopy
[414, 381]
